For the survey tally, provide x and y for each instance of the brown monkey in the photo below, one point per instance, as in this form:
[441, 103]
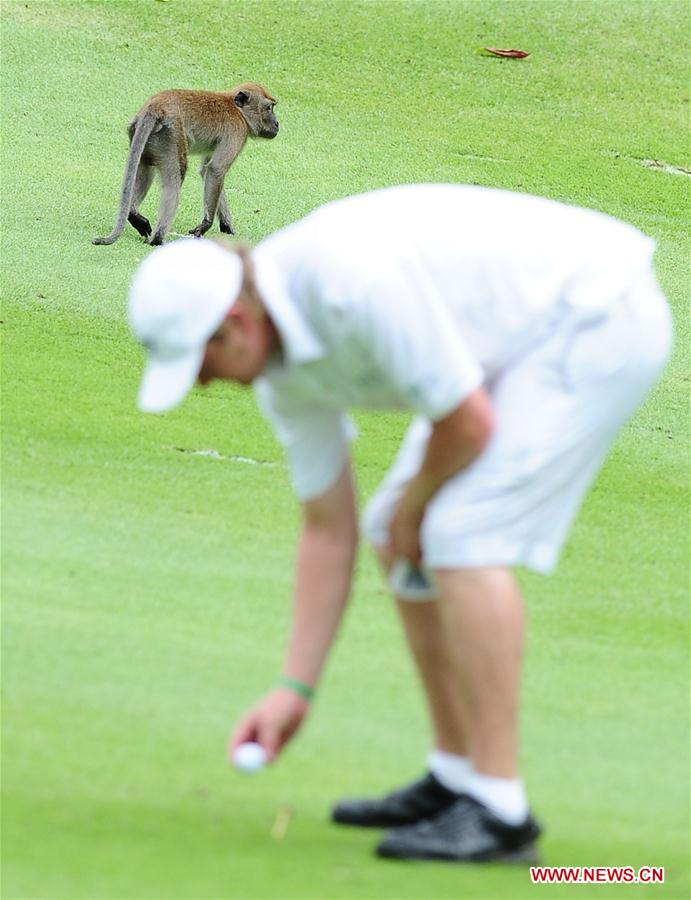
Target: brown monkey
[174, 123]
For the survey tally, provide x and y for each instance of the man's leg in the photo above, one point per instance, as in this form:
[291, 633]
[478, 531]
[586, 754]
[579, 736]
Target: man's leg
[481, 620]
[481, 616]
[439, 674]
[434, 657]
[467, 646]
[436, 660]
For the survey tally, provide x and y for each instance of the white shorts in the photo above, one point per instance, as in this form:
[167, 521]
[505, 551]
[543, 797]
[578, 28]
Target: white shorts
[557, 410]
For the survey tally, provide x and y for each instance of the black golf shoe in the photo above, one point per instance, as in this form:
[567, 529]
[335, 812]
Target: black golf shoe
[410, 804]
[465, 832]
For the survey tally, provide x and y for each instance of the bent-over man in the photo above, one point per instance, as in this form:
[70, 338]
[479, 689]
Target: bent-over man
[523, 333]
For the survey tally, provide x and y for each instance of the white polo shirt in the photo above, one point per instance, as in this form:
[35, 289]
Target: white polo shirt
[411, 297]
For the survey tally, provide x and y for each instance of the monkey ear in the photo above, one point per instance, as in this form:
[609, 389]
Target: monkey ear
[241, 98]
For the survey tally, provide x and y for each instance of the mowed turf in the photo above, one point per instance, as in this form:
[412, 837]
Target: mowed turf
[147, 584]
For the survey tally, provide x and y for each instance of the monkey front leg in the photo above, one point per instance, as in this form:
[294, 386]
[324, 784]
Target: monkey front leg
[213, 185]
[214, 173]
[224, 219]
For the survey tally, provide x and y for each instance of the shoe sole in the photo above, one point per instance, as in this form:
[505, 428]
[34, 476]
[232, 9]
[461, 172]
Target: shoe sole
[373, 823]
[523, 856]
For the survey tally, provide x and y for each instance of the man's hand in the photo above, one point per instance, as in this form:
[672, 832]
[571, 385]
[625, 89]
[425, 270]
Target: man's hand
[404, 532]
[272, 722]
[455, 441]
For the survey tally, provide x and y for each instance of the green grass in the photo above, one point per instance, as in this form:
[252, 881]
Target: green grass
[146, 590]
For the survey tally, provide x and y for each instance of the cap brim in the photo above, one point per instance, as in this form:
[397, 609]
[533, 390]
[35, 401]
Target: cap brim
[165, 383]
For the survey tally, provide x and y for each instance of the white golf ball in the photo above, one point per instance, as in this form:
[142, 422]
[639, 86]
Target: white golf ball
[249, 757]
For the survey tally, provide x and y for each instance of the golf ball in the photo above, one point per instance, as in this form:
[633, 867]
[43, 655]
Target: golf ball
[249, 757]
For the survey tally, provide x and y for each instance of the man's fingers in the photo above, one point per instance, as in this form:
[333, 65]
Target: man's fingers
[271, 723]
[246, 731]
[270, 739]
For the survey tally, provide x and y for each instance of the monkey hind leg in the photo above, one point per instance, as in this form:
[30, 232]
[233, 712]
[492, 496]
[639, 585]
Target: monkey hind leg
[145, 175]
[224, 221]
[142, 183]
[171, 183]
[171, 159]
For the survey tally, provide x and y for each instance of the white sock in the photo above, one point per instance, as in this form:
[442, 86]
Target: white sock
[451, 770]
[505, 797]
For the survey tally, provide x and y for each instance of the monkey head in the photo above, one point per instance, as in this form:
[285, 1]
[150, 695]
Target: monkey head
[257, 107]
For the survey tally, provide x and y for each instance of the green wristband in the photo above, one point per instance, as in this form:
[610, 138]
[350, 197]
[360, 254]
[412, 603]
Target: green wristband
[304, 690]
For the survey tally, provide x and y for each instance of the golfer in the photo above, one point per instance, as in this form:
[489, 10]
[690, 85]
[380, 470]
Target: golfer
[523, 333]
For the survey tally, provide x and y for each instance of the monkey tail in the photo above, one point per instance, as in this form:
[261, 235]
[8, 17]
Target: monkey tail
[142, 132]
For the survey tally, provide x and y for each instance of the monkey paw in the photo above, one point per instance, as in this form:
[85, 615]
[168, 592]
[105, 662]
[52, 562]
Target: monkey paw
[201, 229]
[140, 223]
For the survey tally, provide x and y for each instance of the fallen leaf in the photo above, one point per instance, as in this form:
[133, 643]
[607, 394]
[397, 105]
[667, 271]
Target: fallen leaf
[283, 819]
[507, 54]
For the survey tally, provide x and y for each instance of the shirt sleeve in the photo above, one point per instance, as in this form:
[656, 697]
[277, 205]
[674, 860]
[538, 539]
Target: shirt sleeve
[316, 439]
[417, 344]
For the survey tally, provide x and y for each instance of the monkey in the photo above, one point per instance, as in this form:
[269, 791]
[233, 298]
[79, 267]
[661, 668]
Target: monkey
[168, 127]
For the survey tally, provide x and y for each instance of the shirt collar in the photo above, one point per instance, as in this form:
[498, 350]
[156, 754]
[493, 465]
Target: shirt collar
[298, 341]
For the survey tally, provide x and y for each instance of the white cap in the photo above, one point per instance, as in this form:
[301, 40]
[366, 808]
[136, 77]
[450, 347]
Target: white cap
[179, 296]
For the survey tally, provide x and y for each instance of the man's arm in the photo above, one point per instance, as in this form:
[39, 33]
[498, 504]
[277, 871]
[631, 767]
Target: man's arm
[323, 572]
[456, 440]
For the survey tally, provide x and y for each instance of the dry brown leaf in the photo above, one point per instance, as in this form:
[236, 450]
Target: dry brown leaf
[507, 54]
